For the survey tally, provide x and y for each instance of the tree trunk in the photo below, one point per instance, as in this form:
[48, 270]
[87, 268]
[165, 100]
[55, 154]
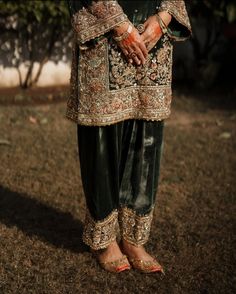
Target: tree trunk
[38, 74]
[20, 77]
[28, 76]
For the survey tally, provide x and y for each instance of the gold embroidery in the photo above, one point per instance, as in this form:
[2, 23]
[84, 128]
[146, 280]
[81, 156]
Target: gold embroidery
[99, 18]
[112, 90]
[156, 71]
[99, 234]
[135, 228]
[178, 10]
[105, 89]
[72, 102]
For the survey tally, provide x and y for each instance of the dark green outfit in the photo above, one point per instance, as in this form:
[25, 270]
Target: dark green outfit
[120, 111]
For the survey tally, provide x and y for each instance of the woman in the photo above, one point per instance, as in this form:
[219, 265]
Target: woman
[120, 96]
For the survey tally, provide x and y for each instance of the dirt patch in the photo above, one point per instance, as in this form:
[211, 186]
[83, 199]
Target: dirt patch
[33, 96]
[42, 205]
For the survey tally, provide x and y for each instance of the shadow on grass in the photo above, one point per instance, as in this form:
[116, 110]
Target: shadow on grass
[215, 98]
[37, 219]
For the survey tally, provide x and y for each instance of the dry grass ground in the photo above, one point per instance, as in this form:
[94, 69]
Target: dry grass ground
[42, 205]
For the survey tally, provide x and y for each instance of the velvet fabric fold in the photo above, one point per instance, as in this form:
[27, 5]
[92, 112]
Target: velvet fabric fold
[120, 171]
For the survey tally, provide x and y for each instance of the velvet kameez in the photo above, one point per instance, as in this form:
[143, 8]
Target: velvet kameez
[120, 110]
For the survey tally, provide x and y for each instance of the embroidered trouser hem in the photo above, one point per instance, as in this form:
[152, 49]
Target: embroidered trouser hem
[120, 170]
[133, 228]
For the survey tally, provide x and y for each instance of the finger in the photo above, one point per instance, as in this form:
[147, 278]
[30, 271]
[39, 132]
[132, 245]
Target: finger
[143, 49]
[150, 46]
[137, 60]
[124, 50]
[147, 38]
[133, 56]
[145, 25]
[139, 53]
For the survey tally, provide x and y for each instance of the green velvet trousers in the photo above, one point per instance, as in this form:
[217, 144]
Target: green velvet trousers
[120, 167]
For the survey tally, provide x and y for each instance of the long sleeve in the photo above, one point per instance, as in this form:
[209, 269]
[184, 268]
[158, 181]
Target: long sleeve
[95, 18]
[179, 28]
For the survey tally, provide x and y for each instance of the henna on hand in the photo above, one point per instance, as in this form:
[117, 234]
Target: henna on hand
[133, 46]
[153, 31]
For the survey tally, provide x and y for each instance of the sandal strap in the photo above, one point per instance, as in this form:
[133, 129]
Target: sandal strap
[116, 262]
[145, 265]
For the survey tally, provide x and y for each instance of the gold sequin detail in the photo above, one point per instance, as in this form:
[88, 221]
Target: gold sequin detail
[135, 228]
[111, 90]
[99, 18]
[105, 88]
[99, 234]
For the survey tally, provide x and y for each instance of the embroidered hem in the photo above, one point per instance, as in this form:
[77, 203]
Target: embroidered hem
[99, 234]
[152, 114]
[135, 228]
[109, 90]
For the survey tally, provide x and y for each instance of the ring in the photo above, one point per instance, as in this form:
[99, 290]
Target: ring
[140, 28]
[132, 55]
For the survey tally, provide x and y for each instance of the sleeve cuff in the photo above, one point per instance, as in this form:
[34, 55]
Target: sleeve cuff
[96, 20]
[179, 28]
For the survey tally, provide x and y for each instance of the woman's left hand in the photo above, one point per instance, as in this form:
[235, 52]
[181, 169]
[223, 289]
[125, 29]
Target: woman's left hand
[152, 30]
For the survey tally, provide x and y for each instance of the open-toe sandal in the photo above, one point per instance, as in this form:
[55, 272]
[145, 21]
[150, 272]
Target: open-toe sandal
[146, 266]
[116, 266]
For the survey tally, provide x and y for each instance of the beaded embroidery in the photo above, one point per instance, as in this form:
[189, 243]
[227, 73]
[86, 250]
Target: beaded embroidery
[105, 88]
[98, 19]
[111, 90]
[99, 234]
[135, 228]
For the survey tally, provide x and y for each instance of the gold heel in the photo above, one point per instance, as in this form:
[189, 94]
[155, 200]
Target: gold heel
[146, 266]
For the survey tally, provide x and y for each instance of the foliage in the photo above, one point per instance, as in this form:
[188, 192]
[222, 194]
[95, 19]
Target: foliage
[33, 31]
[213, 14]
[210, 20]
[220, 10]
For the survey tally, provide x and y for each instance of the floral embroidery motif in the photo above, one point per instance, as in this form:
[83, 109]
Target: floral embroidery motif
[111, 90]
[105, 89]
[99, 234]
[156, 71]
[135, 228]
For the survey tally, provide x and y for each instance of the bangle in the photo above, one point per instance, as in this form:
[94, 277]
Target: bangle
[162, 24]
[124, 35]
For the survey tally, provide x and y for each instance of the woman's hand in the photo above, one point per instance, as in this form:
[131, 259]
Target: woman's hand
[152, 30]
[132, 46]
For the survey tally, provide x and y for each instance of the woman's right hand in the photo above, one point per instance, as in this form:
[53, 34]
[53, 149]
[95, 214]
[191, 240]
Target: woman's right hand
[133, 46]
